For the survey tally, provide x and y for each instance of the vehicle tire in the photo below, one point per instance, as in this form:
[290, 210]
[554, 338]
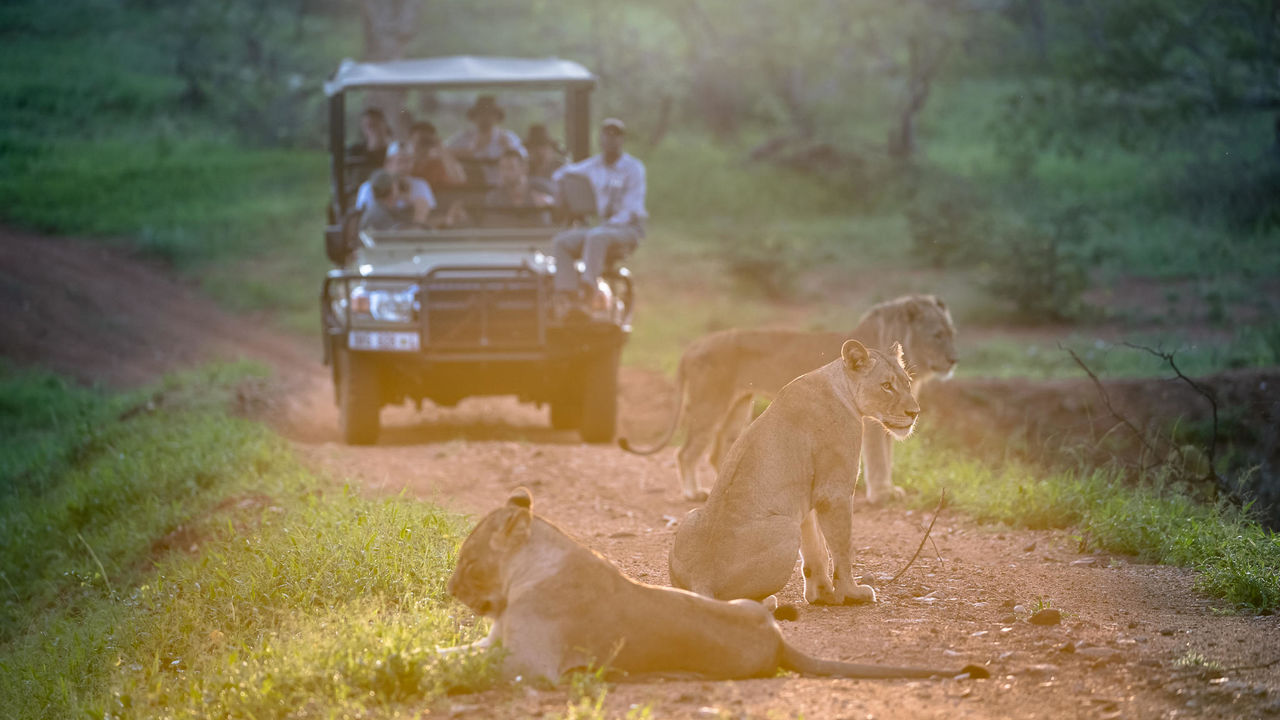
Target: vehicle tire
[600, 397]
[566, 413]
[359, 398]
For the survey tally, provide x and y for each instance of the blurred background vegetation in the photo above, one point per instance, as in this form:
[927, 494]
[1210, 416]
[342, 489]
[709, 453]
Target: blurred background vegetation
[1075, 169]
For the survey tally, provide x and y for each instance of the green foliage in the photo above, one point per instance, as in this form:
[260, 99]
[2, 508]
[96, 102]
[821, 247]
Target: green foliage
[231, 583]
[760, 266]
[1250, 346]
[1236, 559]
[1041, 269]
[45, 424]
[947, 226]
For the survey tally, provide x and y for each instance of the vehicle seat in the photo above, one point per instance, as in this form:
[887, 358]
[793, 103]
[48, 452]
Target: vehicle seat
[340, 246]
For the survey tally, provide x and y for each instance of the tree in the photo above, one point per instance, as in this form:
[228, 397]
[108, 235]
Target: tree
[389, 27]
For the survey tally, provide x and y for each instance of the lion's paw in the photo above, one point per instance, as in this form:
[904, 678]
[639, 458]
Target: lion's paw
[859, 594]
[894, 493]
[820, 593]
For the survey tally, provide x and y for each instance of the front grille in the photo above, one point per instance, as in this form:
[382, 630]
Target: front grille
[470, 313]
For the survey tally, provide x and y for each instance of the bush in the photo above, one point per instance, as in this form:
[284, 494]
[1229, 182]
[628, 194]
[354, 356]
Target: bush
[762, 266]
[1041, 269]
[949, 229]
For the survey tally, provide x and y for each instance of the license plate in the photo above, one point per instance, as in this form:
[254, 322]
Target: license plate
[383, 340]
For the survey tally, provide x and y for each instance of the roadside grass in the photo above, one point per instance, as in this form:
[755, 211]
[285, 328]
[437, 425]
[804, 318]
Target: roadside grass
[1237, 560]
[1248, 346]
[164, 557]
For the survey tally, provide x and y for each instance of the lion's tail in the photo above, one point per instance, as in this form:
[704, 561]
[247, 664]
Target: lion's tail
[625, 444]
[797, 661]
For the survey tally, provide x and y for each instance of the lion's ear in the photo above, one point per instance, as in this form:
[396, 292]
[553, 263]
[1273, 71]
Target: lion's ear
[896, 351]
[520, 497]
[938, 301]
[515, 530]
[856, 356]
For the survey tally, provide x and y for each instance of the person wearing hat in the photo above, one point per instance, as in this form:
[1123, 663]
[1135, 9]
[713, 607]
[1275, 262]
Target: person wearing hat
[618, 180]
[485, 140]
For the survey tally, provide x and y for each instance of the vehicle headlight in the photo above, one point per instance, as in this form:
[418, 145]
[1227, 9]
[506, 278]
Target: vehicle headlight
[385, 304]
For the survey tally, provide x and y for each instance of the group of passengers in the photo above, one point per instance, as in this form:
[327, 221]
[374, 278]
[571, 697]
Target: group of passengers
[426, 164]
[521, 179]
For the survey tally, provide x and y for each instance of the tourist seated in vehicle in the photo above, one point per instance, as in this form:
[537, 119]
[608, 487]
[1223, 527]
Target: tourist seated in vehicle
[370, 153]
[385, 212]
[545, 157]
[618, 181]
[410, 193]
[432, 161]
[485, 140]
[513, 201]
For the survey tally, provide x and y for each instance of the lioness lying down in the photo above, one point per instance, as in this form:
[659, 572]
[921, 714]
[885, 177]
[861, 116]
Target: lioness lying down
[721, 373]
[787, 485]
[557, 606]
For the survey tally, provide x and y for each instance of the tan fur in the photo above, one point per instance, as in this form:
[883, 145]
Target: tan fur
[787, 485]
[557, 606]
[720, 374]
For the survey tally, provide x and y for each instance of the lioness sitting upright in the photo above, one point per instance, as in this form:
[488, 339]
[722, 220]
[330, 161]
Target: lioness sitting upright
[787, 484]
[721, 373]
[557, 606]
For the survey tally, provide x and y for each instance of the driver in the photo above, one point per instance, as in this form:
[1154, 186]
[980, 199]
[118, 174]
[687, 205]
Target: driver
[485, 140]
[619, 183]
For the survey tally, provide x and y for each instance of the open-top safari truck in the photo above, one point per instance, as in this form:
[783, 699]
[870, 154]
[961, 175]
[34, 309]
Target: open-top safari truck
[445, 314]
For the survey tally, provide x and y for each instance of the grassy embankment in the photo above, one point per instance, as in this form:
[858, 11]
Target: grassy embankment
[162, 556]
[1237, 560]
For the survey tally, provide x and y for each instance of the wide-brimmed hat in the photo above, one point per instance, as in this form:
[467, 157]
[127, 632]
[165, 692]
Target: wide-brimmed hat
[486, 104]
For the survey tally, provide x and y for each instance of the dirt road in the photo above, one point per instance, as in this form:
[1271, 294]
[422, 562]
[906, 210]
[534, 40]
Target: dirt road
[1120, 651]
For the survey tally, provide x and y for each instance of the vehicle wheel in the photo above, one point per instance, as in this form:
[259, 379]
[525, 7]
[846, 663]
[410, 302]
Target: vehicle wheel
[359, 398]
[600, 398]
[566, 413]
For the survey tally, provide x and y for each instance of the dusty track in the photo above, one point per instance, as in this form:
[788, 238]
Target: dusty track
[101, 316]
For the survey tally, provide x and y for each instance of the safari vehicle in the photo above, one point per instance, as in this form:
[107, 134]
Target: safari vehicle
[445, 314]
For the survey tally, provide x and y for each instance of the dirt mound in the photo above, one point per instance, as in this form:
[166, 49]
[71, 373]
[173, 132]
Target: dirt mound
[100, 315]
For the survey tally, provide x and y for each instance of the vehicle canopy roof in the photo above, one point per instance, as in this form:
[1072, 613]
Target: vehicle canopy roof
[460, 71]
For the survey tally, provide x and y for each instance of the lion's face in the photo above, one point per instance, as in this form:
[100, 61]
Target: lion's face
[930, 342]
[882, 387]
[477, 581]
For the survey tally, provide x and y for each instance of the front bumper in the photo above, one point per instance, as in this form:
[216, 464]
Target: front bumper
[476, 331]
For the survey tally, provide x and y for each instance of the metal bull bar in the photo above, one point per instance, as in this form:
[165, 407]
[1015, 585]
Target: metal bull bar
[483, 281]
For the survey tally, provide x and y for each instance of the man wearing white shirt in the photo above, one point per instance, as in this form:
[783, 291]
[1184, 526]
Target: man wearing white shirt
[618, 180]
